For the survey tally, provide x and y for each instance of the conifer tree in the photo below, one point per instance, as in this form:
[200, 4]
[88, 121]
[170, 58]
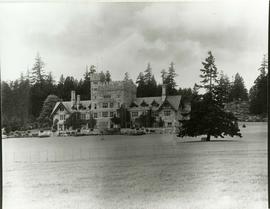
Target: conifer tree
[38, 74]
[238, 89]
[209, 73]
[208, 116]
[258, 92]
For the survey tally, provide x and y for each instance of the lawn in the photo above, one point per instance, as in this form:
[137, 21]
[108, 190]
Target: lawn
[142, 172]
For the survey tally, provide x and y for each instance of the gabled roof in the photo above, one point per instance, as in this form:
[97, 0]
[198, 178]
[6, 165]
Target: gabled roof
[68, 105]
[147, 100]
[174, 101]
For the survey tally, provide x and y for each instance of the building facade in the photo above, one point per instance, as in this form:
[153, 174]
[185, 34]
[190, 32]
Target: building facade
[108, 97]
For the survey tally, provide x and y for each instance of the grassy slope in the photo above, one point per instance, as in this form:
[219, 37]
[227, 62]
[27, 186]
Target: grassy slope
[137, 172]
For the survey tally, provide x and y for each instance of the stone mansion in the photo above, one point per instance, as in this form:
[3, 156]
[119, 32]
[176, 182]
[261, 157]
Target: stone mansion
[108, 97]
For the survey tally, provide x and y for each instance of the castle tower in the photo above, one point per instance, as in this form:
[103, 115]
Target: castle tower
[95, 81]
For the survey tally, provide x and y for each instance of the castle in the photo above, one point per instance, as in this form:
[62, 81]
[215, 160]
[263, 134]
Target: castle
[108, 97]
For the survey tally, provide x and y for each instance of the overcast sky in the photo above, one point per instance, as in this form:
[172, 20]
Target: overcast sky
[124, 37]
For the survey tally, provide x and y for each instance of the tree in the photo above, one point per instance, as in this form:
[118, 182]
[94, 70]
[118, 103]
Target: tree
[238, 89]
[44, 118]
[223, 88]
[207, 113]
[74, 121]
[38, 74]
[124, 116]
[140, 85]
[148, 74]
[209, 73]
[91, 122]
[146, 119]
[108, 76]
[258, 92]
[102, 77]
[126, 78]
[170, 80]
[208, 118]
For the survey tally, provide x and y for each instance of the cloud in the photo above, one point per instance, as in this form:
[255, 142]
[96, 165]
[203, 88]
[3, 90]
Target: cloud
[124, 37]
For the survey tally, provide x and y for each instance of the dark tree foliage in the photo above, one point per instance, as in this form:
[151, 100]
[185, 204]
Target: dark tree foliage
[238, 89]
[38, 75]
[116, 120]
[75, 121]
[209, 73]
[147, 85]
[102, 77]
[186, 94]
[222, 89]
[169, 79]
[146, 119]
[208, 118]
[44, 119]
[108, 76]
[124, 116]
[91, 122]
[258, 92]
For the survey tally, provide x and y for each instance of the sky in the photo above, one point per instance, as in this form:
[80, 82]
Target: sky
[125, 37]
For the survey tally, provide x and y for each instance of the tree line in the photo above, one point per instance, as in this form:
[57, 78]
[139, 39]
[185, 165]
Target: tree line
[23, 99]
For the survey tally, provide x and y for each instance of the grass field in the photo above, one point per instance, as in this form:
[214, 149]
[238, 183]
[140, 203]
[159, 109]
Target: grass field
[142, 172]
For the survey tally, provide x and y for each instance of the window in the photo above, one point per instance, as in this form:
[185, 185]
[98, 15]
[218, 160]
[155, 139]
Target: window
[95, 115]
[105, 105]
[134, 114]
[107, 96]
[119, 104]
[104, 114]
[95, 106]
[167, 113]
[83, 116]
[62, 108]
[111, 114]
[111, 104]
[95, 82]
[118, 96]
[87, 116]
[62, 117]
[169, 124]
[156, 113]
[94, 89]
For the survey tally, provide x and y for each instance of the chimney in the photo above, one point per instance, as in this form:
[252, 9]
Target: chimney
[73, 97]
[163, 96]
[78, 101]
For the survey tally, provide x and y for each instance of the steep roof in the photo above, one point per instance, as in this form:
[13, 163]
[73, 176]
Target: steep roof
[173, 100]
[68, 105]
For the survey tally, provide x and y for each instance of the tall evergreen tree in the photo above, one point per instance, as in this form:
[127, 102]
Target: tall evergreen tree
[223, 88]
[38, 74]
[258, 92]
[238, 89]
[108, 76]
[208, 116]
[44, 119]
[170, 80]
[102, 77]
[209, 73]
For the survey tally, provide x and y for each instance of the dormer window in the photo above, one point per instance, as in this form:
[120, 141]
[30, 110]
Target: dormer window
[144, 104]
[133, 104]
[61, 108]
[154, 104]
